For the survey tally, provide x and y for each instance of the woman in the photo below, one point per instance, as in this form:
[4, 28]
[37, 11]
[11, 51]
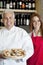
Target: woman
[36, 29]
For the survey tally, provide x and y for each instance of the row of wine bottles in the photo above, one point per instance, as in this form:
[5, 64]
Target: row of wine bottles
[18, 4]
[21, 19]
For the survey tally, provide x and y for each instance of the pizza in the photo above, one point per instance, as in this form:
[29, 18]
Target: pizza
[6, 53]
[18, 52]
[15, 53]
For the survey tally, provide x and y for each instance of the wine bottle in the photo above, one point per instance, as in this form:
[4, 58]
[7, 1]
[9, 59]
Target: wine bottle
[24, 20]
[23, 6]
[20, 3]
[17, 20]
[26, 4]
[33, 5]
[1, 4]
[27, 19]
[14, 4]
[21, 19]
[7, 4]
[11, 5]
[1, 24]
[29, 4]
[4, 4]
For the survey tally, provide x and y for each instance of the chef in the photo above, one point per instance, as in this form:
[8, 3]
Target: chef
[12, 37]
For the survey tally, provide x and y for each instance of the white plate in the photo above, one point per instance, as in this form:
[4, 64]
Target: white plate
[16, 56]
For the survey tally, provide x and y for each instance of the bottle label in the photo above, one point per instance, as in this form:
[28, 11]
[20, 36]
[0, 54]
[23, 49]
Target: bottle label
[27, 22]
[33, 5]
[1, 4]
[7, 6]
[29, 5]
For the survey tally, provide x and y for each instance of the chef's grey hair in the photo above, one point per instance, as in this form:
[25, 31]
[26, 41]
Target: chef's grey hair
[6, 11]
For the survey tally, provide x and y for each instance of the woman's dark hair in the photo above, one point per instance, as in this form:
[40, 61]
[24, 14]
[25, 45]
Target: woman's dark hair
[31, 23]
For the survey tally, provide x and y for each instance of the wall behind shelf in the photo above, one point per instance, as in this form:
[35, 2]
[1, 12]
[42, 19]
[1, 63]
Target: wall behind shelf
[39, 7]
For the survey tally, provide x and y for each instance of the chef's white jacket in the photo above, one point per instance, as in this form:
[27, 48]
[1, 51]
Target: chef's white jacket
[15, 38]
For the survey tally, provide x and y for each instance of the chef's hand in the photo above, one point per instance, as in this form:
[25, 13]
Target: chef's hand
[1, 56]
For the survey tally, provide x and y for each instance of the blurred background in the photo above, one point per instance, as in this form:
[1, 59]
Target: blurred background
[23, 9]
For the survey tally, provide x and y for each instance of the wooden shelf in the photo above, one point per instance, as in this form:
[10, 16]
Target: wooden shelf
[19, 10]
[1, 27]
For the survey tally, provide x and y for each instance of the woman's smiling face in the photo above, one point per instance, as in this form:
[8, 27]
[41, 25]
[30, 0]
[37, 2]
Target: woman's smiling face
[36, 23]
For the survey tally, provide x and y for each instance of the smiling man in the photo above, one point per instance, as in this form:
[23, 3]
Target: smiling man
[12, 37]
